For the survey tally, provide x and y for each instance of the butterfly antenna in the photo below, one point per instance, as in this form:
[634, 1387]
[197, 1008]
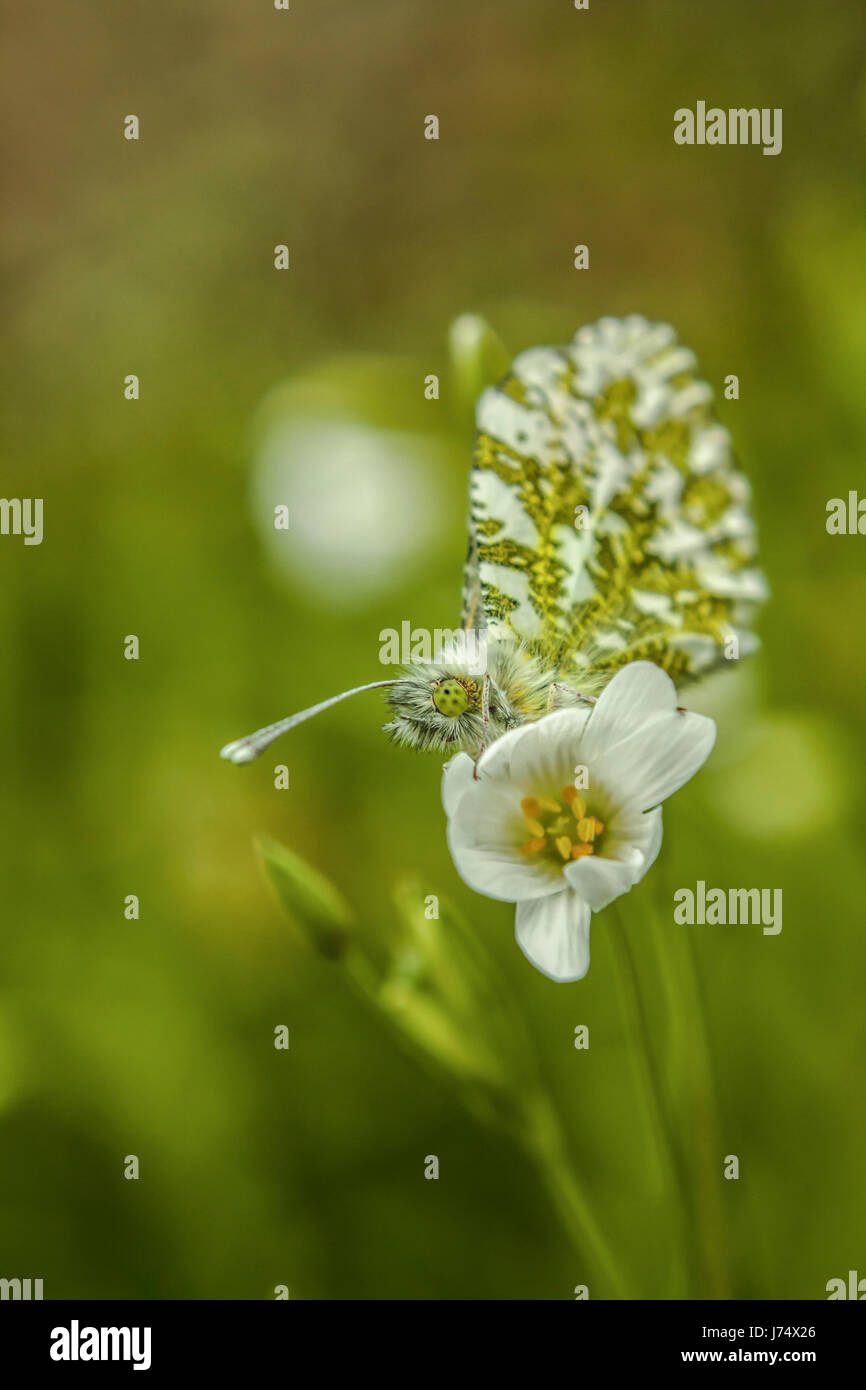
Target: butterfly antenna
[243, 750]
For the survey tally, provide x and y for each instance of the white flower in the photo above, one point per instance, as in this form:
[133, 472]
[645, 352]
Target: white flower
[534, 831]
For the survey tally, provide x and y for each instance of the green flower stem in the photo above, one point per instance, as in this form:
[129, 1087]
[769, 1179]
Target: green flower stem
[691, 1065]
[438, 994]
[649, 1083]
[543, 1141]
[537, 1128]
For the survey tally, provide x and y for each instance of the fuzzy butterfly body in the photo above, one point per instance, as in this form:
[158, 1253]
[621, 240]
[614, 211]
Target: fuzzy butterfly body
[608, 523]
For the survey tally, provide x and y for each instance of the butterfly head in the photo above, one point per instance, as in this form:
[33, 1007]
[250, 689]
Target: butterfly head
[456, 695]
[435, 709]
[441, 705]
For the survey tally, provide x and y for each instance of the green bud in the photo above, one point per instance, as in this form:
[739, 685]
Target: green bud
[312, 902]
[478, 358]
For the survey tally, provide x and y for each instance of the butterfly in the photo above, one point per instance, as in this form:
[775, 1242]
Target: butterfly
[608, 523]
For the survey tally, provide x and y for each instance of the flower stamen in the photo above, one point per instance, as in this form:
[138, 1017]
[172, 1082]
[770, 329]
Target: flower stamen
[534, 845]
[560, 830]
[575, 801]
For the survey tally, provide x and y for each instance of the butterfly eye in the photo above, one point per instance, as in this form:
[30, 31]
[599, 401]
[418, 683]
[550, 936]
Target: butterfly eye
[451, 698]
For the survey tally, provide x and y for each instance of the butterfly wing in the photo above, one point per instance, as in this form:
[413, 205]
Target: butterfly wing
[608, 521]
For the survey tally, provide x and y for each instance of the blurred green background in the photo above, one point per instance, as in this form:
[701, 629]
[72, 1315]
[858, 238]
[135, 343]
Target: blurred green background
[305, 1168]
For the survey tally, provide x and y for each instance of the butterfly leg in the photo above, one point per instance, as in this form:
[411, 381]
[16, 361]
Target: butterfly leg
[485, 720]
[567, 690]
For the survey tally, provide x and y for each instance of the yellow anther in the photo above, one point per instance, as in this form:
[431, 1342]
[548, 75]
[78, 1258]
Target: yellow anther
[532, 846]
[553, 826]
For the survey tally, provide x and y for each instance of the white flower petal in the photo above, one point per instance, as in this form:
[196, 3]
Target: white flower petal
[548, 759]
[457, 776]
[635, 696]
[553, 933]
[484, 837]
[638, 743]
[655, 762]
[654, 839]
[495, 761]
[506, 877]
[599, 880]
[634, 829]
[630, 845]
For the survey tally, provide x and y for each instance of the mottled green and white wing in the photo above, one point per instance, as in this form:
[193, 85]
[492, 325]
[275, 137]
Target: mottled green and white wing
[608, 521]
